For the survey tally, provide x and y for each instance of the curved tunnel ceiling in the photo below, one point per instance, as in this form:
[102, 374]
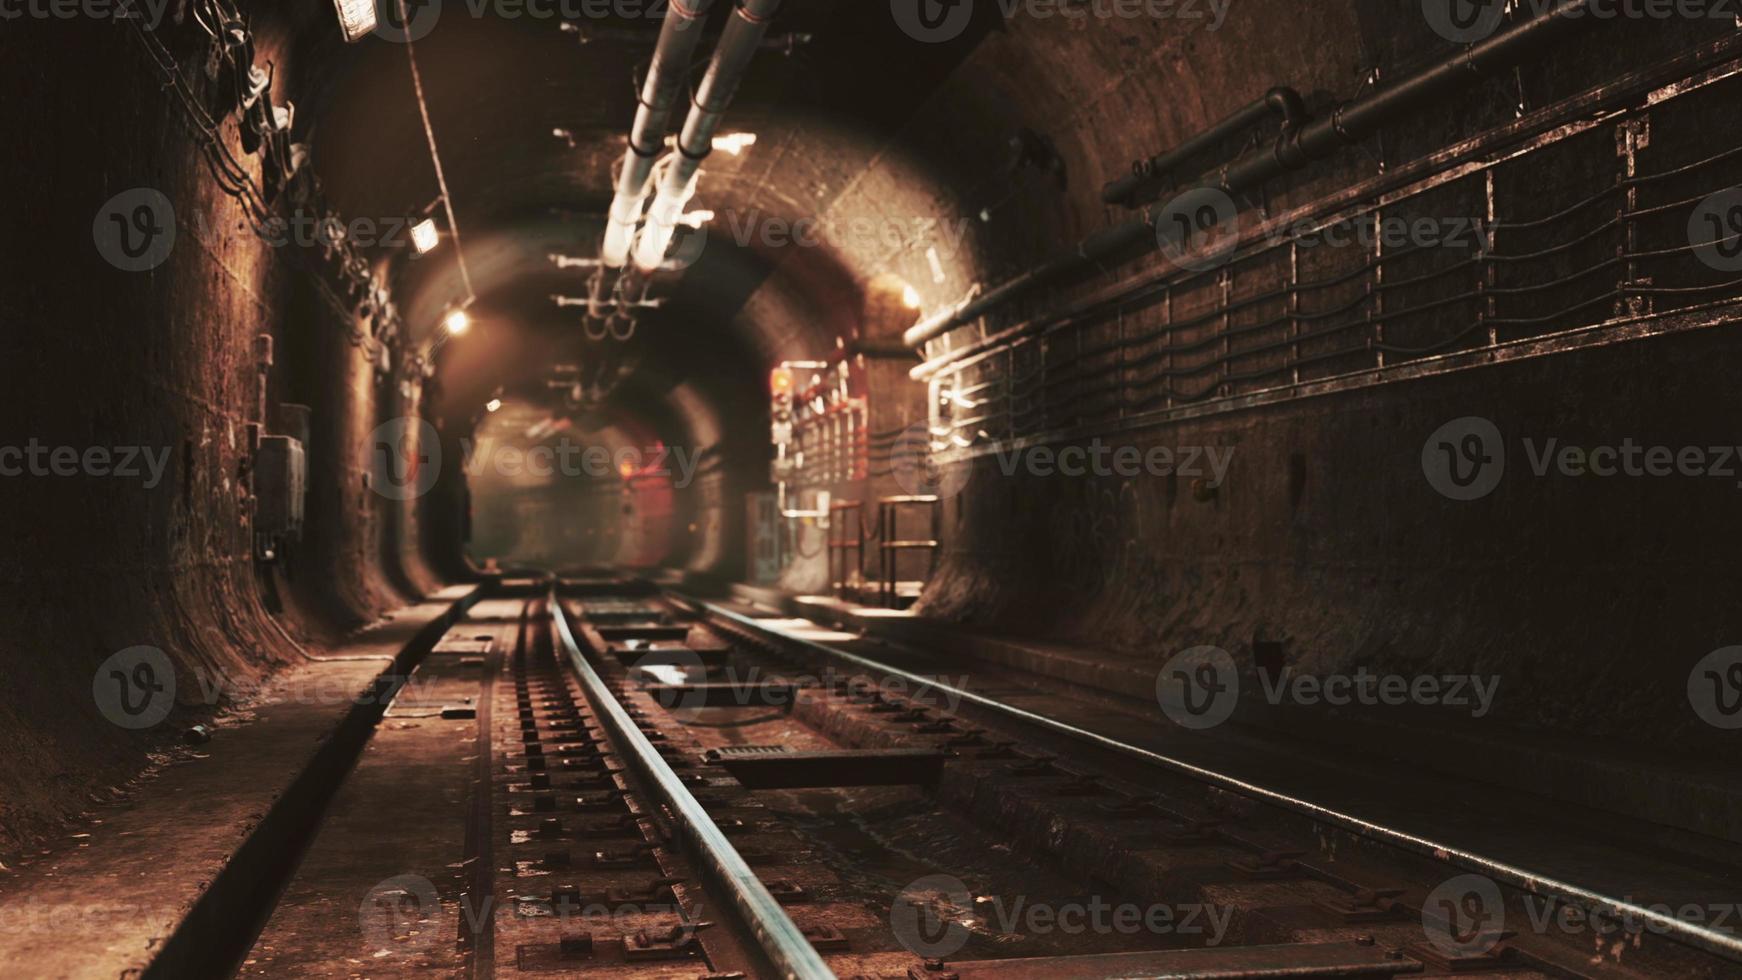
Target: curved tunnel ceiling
[530, 123]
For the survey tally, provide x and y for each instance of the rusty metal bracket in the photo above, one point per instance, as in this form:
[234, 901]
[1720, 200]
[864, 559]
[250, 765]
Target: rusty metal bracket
[1499, 956]
[1269, 866]
[826, 939]
[673, 943]
[1365, 905]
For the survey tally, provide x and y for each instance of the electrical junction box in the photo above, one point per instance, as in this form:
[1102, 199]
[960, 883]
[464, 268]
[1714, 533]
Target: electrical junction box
[766, 552]
[280, 487]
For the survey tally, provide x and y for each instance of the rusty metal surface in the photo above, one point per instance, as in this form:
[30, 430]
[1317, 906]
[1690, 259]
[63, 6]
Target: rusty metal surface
[779, 768]
[1032, 381]
[1232, 963]
[1658, 919]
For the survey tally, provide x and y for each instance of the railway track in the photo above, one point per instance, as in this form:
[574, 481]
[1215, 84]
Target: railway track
[665, 787]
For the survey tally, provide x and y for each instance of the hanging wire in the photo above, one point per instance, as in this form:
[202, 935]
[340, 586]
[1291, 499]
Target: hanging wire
[435, 157]
[216, 19]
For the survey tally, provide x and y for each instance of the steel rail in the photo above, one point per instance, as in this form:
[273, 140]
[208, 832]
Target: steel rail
[778, 936]
[1710, 940]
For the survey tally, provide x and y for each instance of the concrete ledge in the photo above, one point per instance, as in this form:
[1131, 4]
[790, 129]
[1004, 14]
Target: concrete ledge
[1687, 803]
[172, 884]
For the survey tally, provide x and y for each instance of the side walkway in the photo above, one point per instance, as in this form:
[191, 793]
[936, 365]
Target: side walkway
[166, 882]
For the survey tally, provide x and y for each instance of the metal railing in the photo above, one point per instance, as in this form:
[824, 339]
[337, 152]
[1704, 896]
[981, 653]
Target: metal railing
[1591, 223]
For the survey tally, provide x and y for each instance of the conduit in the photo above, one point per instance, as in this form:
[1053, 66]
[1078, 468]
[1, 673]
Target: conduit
[1311, 141]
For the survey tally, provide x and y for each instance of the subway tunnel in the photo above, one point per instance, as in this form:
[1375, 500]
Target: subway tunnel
[932, 489]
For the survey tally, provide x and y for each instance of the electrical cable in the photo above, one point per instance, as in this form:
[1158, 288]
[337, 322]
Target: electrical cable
[435, 159]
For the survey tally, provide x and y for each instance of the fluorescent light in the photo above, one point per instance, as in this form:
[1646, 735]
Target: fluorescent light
[910, 297]
[493, 405]
[425, 236]
[735, 143]
[356, 18]
[458, 322]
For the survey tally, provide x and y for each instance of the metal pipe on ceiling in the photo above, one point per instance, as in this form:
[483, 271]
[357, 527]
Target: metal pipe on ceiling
[672, 55]
[738, 45]
[1282, 102]
[1311, 141]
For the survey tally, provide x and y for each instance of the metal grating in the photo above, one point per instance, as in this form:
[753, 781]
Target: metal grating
[1588, 224]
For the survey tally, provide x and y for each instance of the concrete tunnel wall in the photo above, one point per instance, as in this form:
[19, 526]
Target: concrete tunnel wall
[1323, 538]
[1589, 599]
[165, 360]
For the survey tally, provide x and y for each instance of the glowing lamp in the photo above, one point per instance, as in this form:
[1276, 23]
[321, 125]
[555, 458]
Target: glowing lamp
[425, 236]
[356, 18]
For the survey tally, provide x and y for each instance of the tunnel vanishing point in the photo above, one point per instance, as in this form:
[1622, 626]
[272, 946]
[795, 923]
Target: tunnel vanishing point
[902, 489]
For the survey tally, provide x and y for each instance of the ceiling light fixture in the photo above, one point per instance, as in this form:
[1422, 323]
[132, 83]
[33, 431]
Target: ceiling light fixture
[435, 159]
[457, 322]
[356, 18]
[493, 405]
[735, 143]
[425, 236]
